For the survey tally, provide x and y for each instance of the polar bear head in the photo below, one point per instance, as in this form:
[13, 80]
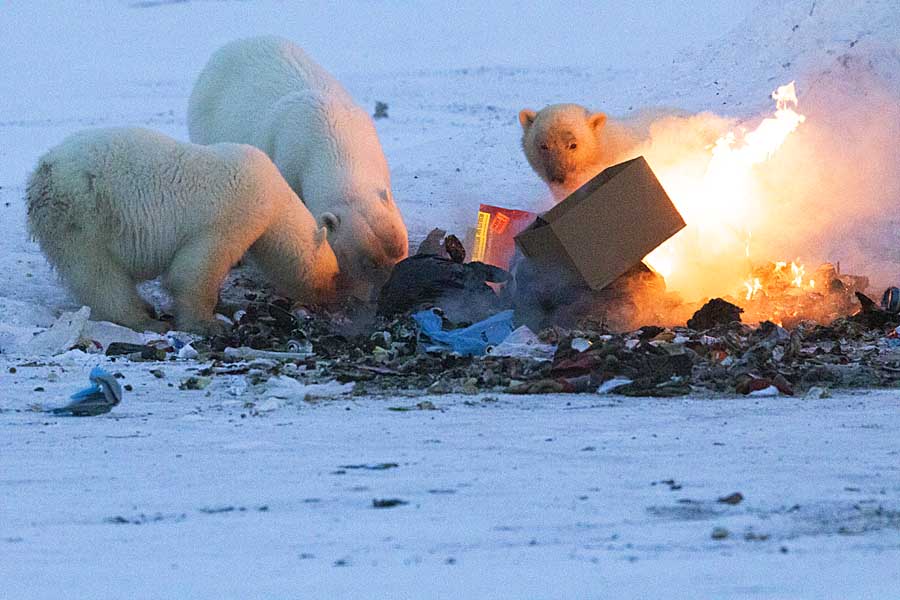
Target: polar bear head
[563, 144]
[369, 237]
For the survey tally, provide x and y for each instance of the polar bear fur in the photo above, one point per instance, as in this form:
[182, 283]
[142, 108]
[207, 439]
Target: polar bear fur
[567, 144]
[268, 92]
[113, 207]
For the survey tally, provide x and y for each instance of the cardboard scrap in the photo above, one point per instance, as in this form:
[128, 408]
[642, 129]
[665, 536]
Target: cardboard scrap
[605, 227]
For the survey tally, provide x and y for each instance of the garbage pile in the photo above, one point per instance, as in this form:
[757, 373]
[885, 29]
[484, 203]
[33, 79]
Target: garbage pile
[425, 353]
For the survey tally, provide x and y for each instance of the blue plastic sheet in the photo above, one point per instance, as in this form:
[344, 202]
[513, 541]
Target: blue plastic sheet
[470, 341]
[99, 398]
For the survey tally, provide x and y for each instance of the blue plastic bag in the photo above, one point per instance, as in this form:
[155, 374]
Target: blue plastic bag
[470, 341]
[103, 394]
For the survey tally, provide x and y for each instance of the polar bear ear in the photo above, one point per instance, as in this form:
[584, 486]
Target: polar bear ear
[597, 121]
[526, 118]
[330, 221]
[321, 235]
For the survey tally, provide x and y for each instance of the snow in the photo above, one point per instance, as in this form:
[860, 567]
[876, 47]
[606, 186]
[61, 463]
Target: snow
[508, 497]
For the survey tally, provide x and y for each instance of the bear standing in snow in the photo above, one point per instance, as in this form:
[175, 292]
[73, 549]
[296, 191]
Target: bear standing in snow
[567, 145]
[268, 92]
[113, 207]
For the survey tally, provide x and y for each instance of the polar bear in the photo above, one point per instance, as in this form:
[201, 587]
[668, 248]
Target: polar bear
[268, 92]
[112, 207]
[567, 144]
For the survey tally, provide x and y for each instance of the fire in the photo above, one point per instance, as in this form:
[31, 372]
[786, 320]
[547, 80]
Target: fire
[779, 277]
[720, 200]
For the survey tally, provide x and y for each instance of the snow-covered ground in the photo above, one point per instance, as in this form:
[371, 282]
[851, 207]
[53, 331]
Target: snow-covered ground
[175, 494]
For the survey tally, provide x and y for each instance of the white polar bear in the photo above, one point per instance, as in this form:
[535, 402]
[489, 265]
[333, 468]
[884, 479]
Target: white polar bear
[268, 92]
[112, 207]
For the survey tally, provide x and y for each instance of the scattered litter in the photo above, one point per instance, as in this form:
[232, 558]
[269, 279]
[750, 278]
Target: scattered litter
[388, 502]
[610, 386]
[580, 344]
[460, 289]
[732, 499]
[766, 392]
[715, 312]
[63, 335]
[99, 398]
[195, 383]
[371, 467]
[523, 343]
[187, 352]
[469, 341]
[244, 353]
[817, 393]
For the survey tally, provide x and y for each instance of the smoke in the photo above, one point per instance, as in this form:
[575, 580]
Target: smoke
[834, 189]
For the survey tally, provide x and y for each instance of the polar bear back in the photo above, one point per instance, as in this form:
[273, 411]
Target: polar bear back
[145, 194]
[244, 81]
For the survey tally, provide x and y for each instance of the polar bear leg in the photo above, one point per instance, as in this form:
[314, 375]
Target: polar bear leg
[99, 280]
[194, 278]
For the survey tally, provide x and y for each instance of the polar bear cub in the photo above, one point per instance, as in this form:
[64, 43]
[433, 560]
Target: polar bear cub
[268, 92]
[113, 207]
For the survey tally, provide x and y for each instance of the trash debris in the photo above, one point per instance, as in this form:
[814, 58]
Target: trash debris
[732, 499]
[460, 290]
[244, 353]
[99, 398]
[523, 343]
[611, 385]
[890, 301]
[469, 341]
[381, 110]
[580, 344]
[493, 239]
[63, 335]
[715, 312]
[433, 244]
[583, 234]
[195, 383]
[105, 333]
[387, 502]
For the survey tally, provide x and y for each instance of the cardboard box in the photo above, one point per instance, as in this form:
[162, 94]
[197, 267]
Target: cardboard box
[605, 227]
[494, 236]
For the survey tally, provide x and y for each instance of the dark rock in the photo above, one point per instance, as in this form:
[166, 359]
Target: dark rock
[732, 499]
[715, 312]
[455, 249]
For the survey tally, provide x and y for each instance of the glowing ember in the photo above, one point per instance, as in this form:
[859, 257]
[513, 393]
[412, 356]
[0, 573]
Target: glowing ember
[720, 200]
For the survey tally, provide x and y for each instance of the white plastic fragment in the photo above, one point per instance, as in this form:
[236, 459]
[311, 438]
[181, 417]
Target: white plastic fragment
[106, 333]
[610, 386]
[523, 343]
[245, 353]
[187, 352]
[60, 337]
[581, 344]
[766, 392]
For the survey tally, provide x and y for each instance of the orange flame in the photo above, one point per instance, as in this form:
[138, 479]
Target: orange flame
[721, 205]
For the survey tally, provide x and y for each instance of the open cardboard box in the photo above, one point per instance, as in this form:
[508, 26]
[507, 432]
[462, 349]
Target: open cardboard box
[605, 227]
